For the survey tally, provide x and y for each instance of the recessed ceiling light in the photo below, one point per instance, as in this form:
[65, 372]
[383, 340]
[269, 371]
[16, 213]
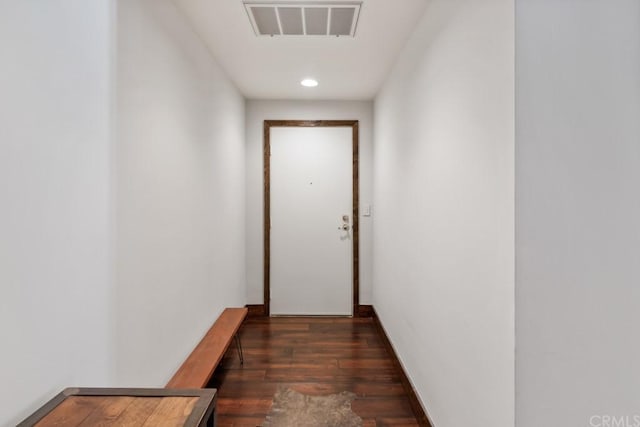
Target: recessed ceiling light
[309, 83]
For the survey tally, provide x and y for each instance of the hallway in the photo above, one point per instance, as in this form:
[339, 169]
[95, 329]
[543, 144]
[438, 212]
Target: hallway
[314, 356]
[498, 206]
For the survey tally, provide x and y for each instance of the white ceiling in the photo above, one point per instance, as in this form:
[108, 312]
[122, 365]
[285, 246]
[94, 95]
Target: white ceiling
[272, 67]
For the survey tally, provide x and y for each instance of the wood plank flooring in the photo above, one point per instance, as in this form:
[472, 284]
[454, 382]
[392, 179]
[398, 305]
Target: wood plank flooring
[313, 356]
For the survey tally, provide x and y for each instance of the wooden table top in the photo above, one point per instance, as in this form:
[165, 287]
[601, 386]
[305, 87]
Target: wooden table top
[76, 407]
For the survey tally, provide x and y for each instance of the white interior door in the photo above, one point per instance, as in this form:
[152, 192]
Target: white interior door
[311, 192]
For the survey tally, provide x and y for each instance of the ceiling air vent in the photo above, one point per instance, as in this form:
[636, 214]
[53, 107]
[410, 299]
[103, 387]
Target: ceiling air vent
[328, 18]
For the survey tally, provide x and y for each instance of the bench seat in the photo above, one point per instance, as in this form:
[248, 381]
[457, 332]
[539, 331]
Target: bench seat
[198, 368]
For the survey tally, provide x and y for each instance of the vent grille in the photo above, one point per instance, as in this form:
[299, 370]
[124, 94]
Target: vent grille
[327, 18]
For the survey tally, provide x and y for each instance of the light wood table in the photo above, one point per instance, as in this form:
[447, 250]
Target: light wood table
[131, 407]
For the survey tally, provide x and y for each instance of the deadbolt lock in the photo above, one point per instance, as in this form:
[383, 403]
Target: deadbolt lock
[345, 223]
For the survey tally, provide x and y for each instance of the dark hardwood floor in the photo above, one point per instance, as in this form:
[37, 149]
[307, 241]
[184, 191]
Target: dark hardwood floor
[313, 356]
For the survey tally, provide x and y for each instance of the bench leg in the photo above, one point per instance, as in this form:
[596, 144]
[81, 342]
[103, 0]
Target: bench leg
[239, 347]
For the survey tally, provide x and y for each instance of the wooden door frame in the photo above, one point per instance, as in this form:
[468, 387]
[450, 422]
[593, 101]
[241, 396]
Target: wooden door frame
[355, 137]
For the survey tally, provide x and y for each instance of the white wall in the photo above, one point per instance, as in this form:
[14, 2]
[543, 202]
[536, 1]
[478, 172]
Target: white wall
[444, 225]
[257, 111]
[180, 192]
[55, 135]
[577, 212]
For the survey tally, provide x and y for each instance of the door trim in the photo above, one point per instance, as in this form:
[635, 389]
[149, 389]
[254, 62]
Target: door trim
[354, 125]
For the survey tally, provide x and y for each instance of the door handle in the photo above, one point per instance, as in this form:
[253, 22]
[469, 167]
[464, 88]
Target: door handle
[345, 223]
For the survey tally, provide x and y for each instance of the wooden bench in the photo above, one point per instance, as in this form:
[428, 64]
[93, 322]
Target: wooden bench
[132, 407]
[198, 368]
